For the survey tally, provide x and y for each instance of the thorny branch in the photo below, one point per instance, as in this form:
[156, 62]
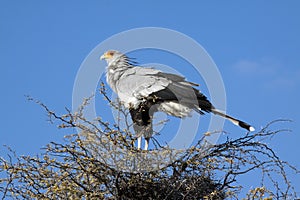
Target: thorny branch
[101, 162]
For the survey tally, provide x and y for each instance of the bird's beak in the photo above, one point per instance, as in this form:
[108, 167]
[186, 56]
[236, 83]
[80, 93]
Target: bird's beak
[102, 57]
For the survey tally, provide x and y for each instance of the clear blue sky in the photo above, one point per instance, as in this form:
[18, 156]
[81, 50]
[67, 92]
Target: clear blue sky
[255, 45]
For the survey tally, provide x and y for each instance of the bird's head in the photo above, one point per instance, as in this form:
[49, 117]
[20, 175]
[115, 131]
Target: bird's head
[111, 56]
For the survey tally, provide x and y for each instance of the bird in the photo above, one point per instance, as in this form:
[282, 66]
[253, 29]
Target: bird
[144, 91]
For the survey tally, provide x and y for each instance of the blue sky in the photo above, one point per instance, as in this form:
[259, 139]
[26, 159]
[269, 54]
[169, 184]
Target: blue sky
[255, 45]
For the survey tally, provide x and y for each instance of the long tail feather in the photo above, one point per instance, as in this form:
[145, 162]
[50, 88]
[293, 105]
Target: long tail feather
[233, 120]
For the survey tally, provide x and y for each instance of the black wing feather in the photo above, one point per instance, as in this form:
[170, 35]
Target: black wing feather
[186, 95]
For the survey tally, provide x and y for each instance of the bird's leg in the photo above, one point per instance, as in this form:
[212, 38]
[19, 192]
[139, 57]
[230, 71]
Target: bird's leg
[139, 140]
[146, 143]
[142, 124]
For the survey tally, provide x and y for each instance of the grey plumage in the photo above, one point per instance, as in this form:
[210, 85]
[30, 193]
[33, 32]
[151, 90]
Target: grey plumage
[145, 91]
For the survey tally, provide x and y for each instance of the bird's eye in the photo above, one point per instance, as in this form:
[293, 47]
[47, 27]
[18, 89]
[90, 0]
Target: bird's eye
[111, 53]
